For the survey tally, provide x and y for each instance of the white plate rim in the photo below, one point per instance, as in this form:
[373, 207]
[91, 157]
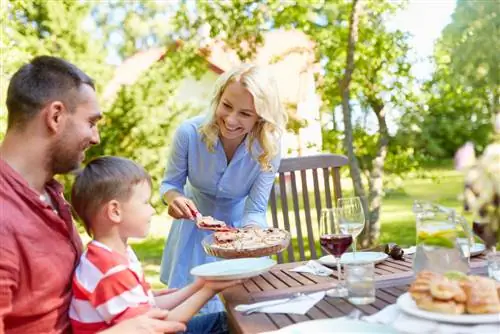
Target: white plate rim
[407, 305]
[325, 260]
[479, 251]
[267, 264]
[332, 321]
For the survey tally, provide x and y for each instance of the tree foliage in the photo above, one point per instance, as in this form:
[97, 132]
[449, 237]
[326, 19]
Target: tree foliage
[459, 100]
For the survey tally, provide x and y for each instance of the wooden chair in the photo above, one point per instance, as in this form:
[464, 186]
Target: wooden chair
[289, 186]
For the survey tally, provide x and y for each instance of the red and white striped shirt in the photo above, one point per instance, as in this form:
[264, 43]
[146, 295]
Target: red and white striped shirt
[107, 288]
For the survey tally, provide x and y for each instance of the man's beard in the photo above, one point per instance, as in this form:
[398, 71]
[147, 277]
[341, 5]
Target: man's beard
[64, 155]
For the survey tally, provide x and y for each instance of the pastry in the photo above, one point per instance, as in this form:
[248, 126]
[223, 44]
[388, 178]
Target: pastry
[482, 295]
[445, 289]
[441, 306]
[421, 286]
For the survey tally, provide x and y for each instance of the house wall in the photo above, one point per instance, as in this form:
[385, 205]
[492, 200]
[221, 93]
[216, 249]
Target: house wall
[307, 142]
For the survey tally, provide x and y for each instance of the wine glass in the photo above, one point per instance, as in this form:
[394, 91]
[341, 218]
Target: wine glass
[352, 218]
[334, 241]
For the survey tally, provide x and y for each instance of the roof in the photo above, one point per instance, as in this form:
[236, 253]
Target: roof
[289, 52]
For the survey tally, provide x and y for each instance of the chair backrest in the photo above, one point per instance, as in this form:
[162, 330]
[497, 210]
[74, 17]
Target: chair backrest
[286, 193]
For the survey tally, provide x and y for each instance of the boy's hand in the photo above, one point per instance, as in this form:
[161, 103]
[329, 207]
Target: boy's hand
[181, 207]
[153, 322]
[218, 286]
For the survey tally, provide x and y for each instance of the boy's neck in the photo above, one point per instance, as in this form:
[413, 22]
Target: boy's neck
[116, 243]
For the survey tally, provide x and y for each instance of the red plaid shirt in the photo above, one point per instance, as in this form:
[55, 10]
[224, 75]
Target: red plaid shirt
[39, 250]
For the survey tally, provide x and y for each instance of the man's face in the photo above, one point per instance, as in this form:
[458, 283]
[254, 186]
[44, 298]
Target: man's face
[80, 132]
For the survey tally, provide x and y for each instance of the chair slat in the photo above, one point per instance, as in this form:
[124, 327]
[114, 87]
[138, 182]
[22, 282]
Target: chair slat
[296, 209]
[337, 186]
[317, 199]
[329, 164]
[317, 195]
[274, 215]
[328, 193]
[284, 208]
[307, 213]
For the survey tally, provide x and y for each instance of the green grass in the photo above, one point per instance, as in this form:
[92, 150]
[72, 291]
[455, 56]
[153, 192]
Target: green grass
[441, 185]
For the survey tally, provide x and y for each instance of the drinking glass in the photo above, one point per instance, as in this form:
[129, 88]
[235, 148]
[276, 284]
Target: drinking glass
[352, 218]
[493, 260]
[334, 241]
[360, 282]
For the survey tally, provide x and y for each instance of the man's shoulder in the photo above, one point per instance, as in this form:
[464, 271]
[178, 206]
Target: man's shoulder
[11, 208]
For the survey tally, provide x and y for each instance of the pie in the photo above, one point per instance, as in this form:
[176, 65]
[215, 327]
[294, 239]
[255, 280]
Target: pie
[253, 242]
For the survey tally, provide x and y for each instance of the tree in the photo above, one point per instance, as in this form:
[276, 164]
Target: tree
[42, 28]
[459, 100]
[375, 75]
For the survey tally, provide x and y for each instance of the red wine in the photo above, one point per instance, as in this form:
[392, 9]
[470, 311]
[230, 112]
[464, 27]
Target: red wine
[335, 244]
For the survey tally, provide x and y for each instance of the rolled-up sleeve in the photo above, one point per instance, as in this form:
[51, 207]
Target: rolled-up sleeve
[257, 200]
[177, 166]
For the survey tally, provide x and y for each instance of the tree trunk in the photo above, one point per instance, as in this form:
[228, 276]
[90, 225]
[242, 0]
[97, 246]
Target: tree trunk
[346, 108]
[377, 174]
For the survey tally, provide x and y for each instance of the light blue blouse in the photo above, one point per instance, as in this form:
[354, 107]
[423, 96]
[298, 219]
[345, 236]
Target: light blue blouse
[236, 193]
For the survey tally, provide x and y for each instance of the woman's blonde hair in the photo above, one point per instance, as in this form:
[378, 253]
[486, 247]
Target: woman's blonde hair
[272, 117]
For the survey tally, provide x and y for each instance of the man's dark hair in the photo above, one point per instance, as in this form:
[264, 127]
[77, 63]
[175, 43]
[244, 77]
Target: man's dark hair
[102, 180]
[43, 80]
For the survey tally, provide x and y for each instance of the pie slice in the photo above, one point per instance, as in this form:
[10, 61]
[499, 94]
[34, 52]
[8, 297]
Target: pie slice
[209, 223]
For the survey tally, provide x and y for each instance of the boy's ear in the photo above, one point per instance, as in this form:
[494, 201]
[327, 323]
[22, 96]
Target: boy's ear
[113, 211]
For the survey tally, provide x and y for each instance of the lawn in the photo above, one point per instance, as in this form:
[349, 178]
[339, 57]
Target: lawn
[441, 185]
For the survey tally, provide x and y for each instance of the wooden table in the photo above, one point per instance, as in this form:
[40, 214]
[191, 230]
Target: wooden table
[391, 280]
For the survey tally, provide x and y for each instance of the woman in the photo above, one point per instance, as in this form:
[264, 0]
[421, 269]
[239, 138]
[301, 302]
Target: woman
[222, 165]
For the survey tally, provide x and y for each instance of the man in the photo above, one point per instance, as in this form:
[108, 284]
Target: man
[52, 120]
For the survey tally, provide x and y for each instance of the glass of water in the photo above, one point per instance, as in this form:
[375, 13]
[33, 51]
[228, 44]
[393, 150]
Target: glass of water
[360, 282]
[493, 259]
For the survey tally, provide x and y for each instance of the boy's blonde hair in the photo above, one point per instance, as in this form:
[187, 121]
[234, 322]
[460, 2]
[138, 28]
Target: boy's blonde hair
[102, 180]
[272, 117]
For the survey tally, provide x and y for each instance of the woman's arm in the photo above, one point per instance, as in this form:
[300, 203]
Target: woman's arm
[175, 174]
[174, 179]
[257, 200]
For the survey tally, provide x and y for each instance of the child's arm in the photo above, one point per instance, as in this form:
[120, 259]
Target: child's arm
[171, 300]
[185, 311]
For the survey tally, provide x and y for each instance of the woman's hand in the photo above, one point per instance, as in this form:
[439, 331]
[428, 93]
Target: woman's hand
[180, 207]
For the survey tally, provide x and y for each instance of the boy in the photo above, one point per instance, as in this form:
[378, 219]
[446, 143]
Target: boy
[111, 196]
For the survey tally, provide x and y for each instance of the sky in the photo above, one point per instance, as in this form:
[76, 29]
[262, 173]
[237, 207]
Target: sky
[424, 19]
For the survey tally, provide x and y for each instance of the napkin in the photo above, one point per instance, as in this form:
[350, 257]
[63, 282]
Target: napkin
[410, 250]
[299, 305]
[405, 323]
[313, 267]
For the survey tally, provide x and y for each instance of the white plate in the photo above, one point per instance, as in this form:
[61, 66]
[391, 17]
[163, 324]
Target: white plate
[406, 304]
[233, 269]
[477, 249]
[339, 325]
[347, 258]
